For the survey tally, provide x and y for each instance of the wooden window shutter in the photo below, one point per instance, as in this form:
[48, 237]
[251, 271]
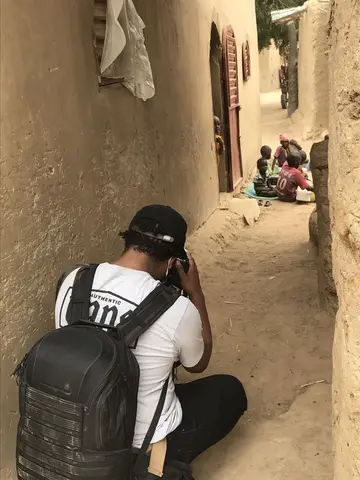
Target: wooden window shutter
[232, 90]
[100, 11]
[246, 61]
[100, 8]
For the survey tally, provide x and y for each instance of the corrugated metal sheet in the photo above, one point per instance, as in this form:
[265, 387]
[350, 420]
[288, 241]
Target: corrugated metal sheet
[287, 14]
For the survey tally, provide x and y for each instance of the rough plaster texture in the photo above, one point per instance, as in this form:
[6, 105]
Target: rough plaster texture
[77, 161]
[319, 169]
[344, 181]
[269, 64]
[313, 69]
[313, 228]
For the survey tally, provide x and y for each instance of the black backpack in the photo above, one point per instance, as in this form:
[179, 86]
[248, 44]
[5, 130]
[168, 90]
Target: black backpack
[78, 391]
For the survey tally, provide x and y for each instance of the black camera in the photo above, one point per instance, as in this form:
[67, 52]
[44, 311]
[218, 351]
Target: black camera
[173, 277]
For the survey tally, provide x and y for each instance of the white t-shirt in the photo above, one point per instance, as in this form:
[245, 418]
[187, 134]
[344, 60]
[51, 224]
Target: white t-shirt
[176, 335]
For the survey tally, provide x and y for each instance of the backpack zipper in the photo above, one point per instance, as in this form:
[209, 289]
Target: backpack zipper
[103, 380]
[99, 438]
[19, 370]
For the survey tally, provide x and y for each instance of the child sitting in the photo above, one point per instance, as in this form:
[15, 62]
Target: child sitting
[264, 183]
[290, 179]
[219, 141]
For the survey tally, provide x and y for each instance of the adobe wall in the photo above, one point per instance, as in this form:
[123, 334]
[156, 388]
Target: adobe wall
[320, 174]
[78, 160]
[241, 16]
[344, 181]
[313, 69]
[269, 64]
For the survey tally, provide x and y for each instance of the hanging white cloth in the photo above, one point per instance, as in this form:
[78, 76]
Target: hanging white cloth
[125, 56]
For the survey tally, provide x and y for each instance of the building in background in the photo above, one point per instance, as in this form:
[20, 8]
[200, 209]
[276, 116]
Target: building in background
[269, 64]
[308, 62]
[79, 158]
[313, 69]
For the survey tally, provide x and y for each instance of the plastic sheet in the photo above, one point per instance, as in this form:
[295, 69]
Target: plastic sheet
[125, 56]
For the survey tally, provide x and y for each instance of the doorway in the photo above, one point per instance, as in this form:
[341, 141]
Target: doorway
[216, 71]
[226, 106]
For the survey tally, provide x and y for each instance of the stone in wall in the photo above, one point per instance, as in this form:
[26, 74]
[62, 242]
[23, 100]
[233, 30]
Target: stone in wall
[319, 168]
[313, 228]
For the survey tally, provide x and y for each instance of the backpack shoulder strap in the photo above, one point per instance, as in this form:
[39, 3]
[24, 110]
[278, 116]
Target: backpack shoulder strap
[155, 420]
[136, 322]
[80, 298]
[65, 273]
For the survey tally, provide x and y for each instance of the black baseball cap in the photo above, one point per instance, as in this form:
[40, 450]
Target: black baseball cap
[164, 223]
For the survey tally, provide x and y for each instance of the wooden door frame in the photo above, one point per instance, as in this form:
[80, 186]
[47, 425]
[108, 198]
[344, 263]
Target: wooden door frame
[218, 100]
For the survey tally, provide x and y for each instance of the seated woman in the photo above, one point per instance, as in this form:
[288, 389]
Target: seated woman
[281, 152]
[286, 147]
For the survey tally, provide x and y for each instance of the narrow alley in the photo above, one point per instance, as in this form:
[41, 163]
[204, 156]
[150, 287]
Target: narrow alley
[270, 333]
[112, 106]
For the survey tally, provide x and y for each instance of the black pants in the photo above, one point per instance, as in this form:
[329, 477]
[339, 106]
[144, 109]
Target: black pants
[211, 408]
[266, 193]
[287, 199]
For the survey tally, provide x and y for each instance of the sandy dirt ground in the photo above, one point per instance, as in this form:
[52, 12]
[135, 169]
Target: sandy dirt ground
[261, 289]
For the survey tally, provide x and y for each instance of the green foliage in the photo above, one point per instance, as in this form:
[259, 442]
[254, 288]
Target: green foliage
[267, 31]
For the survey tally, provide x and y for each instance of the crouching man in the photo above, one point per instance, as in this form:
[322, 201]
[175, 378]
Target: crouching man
[198, 414]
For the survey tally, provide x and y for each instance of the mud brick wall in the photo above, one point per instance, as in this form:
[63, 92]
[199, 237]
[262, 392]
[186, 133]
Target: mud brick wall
[344, 194]
[319, 168]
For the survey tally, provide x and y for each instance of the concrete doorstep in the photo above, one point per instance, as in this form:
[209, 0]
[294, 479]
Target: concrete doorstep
[246, 208]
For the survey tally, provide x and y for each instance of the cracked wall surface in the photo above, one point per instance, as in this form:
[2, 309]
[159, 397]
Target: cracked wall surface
[344, 191]
[78, 160]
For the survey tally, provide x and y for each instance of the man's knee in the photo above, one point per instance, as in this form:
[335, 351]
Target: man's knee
[233, 393]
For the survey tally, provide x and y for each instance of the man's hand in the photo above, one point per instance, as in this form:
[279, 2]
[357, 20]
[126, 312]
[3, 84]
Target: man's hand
[220, 145]
[190, 281]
